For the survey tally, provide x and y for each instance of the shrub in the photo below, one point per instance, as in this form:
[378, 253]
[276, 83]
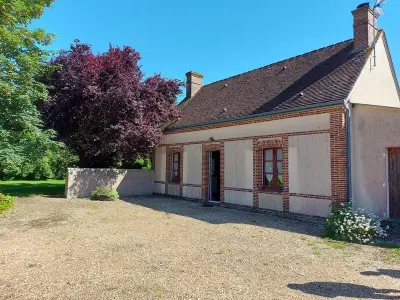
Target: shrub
[104, 193]
[5, 202]
[353, 226]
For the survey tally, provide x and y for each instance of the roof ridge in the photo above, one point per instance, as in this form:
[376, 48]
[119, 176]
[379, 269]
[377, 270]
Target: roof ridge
[279, 62]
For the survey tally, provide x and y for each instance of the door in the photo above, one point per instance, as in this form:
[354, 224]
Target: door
[394, 182]
[214, 176]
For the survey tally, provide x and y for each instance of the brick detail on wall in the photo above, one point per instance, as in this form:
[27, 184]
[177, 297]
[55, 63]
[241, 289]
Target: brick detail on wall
[338, 148]
[209, 147]
[338, 139]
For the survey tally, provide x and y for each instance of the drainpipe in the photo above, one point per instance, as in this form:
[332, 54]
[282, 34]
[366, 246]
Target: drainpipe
[349, 181]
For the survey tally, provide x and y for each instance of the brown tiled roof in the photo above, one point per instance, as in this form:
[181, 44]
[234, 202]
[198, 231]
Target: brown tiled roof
[323, 76]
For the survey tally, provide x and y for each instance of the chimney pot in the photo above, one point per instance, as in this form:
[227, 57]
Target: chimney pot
[363, 25]
[194, 81]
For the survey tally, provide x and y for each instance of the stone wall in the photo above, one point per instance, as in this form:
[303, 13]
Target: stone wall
[81, 182]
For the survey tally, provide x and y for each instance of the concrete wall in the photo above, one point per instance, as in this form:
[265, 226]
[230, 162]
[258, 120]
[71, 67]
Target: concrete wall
[310, 206]
[173, 189]
[239, 198]
[238, 164]
[159, 188]
[191, 192]
[310, 164]
[160, 163]
[297, 124]
[81, 182]
[376, 85]
[270, 201]
[192, 164]
[373, 130]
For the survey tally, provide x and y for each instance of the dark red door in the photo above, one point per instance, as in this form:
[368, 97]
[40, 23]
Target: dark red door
[394, 182]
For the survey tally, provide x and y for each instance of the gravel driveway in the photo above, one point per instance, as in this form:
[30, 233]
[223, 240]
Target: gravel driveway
[157, 248]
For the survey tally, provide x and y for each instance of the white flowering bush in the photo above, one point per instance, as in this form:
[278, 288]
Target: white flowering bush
[353, 226]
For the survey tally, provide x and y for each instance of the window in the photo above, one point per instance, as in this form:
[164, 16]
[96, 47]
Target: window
[176, 162]
[272, 169]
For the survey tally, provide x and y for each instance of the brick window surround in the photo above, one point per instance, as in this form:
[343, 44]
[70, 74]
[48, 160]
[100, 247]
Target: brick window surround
[272, 169]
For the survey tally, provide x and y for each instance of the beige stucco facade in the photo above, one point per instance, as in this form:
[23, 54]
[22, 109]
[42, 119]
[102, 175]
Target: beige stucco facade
[310, 164]
[374, 129]
[160, 163]
[192, 164]
[239, 164]
[191, 192]
[297, 124]
[376, 85]
[310, 206]
[271, 201]
[173, 189]
[239, 198]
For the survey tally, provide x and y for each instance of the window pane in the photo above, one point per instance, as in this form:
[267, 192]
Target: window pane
[176, 173]
[279, 167]
[268, 179]
[175, 166]
[279, 180]
[175, 157]
[269, 167]
[268, 154]
[279, 154]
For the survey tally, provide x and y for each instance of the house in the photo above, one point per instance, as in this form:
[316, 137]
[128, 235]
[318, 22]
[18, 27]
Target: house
[295, 136]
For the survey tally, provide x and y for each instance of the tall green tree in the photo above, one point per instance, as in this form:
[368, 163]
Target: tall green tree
[23, 141]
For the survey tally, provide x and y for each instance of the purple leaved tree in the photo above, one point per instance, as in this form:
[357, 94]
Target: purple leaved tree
[104, 109]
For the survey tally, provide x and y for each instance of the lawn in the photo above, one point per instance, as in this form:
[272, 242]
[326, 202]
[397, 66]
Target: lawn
[30, 188]
[161, 248]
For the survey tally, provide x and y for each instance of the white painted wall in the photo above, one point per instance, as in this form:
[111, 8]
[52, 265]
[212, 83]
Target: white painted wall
[238, 164]
[238, 198]
[81, 182]
[192, 164]
[270, 201]
[191, 192]
[160, 163]
[373, 130]
[376, 84]
[173, 189]
[159, 188]
[298, 124]
[310, 206]
[310, 164]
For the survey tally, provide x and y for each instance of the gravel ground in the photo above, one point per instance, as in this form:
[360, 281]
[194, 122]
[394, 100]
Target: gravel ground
[155, 248]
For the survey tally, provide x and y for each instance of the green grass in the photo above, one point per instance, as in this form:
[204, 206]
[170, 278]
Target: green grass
[22, 188]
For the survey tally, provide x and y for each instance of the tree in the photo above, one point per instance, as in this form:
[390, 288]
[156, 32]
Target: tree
[102, 107]
[23, 142]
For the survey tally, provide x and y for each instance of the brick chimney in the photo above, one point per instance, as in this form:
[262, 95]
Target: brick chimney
[194, 81]
[364, 26]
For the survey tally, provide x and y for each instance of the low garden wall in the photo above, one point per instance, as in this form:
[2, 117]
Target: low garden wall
[81, 182]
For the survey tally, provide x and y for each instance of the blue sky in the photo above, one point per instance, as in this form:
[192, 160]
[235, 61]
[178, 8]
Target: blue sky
[218, 38]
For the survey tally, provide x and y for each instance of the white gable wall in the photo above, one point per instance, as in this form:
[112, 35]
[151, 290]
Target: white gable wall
[376, 85]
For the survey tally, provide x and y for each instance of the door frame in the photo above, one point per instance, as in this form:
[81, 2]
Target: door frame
[210, 181]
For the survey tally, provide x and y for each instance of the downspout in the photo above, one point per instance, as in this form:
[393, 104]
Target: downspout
[349, 171]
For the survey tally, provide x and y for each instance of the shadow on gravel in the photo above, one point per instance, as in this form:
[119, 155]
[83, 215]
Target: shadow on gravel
[338, 289]
[220, 215]
[380, 272]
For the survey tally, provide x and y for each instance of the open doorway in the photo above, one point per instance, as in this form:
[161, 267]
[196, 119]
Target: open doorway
[214, 176]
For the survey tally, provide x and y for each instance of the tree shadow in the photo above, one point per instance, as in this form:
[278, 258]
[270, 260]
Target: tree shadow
[380, 272]
[338, 289]
[220, 215]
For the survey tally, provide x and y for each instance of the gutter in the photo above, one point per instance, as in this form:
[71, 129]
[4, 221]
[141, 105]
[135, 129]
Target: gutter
[349, 161]
[256, 116]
